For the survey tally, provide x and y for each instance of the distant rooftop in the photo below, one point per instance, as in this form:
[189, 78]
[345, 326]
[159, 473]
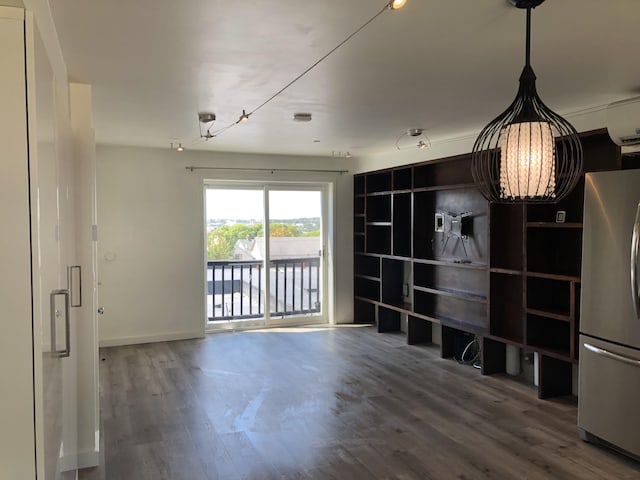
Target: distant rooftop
[281, 247]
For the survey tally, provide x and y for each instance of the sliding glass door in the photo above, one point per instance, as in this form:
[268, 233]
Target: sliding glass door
[235, 288]
[295, 252]
[253, 279]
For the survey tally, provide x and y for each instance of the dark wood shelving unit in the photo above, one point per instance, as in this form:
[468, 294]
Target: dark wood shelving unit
[534, 269]
[388, 319]
[553, 225]
[419, 330]
[402, 224]
[455, 264]
[403, 179]
[513, 280]
[469, 297]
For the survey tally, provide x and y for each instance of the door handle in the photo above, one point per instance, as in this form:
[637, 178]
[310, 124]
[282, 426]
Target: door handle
[635, 277]
[74, 276]
[54, 313]
[611, 355]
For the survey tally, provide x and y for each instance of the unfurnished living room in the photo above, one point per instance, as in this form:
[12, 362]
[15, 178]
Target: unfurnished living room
[320, 240]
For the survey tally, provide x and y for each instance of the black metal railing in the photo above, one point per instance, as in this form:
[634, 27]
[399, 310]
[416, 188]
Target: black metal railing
[234, 288]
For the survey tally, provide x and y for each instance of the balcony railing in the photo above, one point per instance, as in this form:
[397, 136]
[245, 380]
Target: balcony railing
[235, 288]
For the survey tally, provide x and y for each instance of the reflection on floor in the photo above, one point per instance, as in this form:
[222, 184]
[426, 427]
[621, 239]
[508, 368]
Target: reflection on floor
[324, 403]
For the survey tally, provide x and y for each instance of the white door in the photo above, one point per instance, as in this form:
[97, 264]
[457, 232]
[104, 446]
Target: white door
[37, 438]
[52, 250]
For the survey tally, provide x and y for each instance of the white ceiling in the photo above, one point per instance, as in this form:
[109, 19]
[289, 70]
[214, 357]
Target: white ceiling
[448, 66]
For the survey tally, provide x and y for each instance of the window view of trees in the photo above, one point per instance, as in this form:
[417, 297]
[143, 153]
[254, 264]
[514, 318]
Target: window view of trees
[223, 236]
[222, 240]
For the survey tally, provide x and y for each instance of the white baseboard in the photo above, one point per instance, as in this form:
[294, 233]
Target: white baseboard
[163, 337]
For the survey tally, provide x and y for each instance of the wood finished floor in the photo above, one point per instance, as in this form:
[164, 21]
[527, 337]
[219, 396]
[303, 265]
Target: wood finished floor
[341, 403]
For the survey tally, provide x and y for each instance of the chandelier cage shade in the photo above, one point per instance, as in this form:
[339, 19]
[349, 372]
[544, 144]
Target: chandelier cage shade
[528, 153]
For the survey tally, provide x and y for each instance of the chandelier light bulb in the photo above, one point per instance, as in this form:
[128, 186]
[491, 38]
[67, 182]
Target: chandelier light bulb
[527, 161]
[179, 148]
[244, 117]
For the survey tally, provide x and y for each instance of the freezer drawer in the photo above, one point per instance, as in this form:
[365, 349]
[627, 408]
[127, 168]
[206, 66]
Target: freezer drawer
[609, 393]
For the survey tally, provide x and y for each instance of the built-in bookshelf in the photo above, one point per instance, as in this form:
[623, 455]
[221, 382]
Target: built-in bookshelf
[429, 248]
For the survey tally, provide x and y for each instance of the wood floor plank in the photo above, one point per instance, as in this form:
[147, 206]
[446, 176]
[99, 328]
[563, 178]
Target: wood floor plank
[323, 403]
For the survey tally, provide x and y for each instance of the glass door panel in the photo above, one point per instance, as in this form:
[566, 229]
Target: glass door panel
[295, 253]
[235, 256]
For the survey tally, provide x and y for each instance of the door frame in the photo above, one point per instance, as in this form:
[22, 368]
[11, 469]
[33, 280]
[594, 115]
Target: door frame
[327, 233]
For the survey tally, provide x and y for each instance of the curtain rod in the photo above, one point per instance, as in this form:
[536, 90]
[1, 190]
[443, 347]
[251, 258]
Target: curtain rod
[272, 170]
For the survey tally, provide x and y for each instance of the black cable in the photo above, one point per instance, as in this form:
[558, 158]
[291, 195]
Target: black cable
[279, 92]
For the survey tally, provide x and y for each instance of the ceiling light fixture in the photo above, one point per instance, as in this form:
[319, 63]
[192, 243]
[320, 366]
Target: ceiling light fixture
[391, 5]
[396, 4]
[206, 117]
[244, 117]
[179, 148]
[413, 133]
[515, 158]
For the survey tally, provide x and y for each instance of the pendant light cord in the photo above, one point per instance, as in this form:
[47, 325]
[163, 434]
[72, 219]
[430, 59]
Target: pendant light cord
[528, 48]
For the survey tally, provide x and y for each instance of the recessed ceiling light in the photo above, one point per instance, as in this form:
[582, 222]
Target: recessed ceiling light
[302, 117]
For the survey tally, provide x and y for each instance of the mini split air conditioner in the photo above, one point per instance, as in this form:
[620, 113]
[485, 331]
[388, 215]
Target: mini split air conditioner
[623, 122]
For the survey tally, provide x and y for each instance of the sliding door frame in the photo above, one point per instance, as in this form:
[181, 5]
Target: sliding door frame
[327, 230]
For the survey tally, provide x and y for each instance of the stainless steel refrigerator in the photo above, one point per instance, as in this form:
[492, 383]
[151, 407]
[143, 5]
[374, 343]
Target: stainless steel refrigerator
[609, 366]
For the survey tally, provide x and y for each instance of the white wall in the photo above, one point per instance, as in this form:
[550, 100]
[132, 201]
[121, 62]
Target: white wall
[151, 211]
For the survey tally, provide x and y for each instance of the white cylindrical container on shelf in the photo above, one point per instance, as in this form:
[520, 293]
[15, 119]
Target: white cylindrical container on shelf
[513, 360]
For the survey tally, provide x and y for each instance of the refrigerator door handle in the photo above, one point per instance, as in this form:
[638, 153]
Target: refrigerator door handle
[635, 277]
[611, 355]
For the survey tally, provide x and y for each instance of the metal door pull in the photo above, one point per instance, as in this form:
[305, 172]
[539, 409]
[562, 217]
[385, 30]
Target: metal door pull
[56, 313]
[74, 283]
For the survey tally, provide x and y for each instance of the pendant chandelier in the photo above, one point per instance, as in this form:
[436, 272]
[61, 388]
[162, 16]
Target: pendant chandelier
[516, 157]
